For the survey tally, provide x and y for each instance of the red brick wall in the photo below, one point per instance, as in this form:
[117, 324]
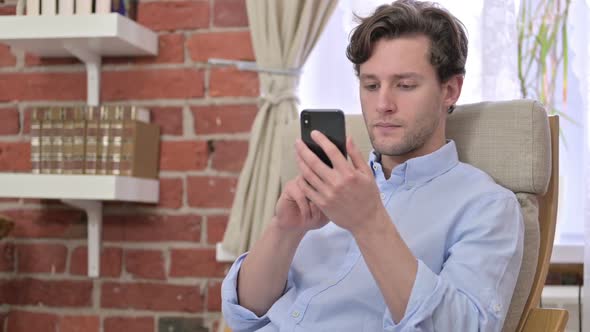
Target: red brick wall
[158, 268]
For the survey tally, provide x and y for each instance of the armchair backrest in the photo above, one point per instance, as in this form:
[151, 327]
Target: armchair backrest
[516, 143]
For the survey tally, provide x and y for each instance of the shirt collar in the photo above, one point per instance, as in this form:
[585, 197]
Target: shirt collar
[420, 169]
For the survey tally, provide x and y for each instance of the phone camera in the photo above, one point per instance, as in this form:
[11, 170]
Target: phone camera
[306, 120]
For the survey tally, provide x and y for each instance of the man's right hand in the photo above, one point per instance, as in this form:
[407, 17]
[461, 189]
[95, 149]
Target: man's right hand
[263, 274]
[294, 212]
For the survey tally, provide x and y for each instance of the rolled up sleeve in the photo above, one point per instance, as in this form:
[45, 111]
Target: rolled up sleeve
[237, 317]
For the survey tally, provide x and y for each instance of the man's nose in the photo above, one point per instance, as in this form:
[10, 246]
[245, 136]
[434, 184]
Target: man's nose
[385, 101]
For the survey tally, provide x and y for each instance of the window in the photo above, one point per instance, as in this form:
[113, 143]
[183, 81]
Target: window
[328, 81]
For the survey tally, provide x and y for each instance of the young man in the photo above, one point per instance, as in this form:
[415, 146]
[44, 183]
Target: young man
[418, 241]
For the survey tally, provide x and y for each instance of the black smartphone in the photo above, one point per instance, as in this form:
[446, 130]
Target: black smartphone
[330, 122]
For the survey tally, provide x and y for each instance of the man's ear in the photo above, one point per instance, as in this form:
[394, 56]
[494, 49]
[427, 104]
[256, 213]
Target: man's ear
[452, 90]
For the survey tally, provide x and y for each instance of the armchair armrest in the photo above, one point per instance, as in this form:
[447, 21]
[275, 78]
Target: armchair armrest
[546, 320]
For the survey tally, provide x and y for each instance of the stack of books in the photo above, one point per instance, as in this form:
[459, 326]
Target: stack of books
[110, 140]
[76, 7]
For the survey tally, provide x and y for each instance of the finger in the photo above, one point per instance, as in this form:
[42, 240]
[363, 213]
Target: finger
[297, 194]
[336, 157]
[358, 161]
[322, 170]
[315, 211]
[309, 175]
[309, 192]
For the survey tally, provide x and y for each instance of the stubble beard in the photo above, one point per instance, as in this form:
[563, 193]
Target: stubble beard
[410, 141]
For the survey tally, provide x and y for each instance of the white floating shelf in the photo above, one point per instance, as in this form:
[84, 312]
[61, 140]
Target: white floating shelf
[86, 192]
[87, 37]
[102, 34]
[87, 187]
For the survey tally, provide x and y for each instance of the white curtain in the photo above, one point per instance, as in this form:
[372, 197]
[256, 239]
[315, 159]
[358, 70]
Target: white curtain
[283, 34]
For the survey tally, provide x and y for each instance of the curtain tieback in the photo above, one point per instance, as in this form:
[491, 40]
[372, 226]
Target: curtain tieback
[281, 96]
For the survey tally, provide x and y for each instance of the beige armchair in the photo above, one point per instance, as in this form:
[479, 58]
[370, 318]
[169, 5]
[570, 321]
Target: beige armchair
[516, 143]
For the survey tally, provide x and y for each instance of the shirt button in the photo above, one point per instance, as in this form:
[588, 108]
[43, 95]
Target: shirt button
[295, 314]
[382, 195]
[497, 307]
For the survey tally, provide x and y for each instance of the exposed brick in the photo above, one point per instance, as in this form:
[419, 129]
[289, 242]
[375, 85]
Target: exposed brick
[7, 255]
[183, 155]
[147, 264]
[211, 192]
[171, 191]
[226, 45]
[216, 226]
[128, 324]
[214, 296]
[153, 228]
[168, 118]
[52, 293]
[42, 86]
[150, 84]
[32, 60]
[195, 263]
[151, 296]
[3, 316]
[170, 50]
[230, 82]
[111, 262]
[223, 119]
[9, 119]
[230, 155]
[182, 324]
[7, 10]
[230, 13]
[7, 59]
[23, 321]
[79, 324]
[174, 15]
[15, 157]
[27, 121]
[40, 257]
[47, 223]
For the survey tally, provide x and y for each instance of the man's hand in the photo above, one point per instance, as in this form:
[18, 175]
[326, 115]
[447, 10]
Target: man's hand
[295, 212]
[347, 193]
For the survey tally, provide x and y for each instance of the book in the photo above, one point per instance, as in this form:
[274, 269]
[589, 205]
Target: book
[48, 7]
[67, 137]
[66, 7]
[92, 140]
[33, 7]
[56, 155]
[115, 141]
[102, 6]
[83, 7]
[103, 139]
[139, 146]
[36, 121]
[46, 143]
[79, 140]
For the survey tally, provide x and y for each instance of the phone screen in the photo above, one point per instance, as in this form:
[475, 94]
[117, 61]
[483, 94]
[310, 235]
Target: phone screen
[330, 122]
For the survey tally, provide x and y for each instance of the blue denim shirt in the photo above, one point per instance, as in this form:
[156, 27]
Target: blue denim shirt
[465, 231]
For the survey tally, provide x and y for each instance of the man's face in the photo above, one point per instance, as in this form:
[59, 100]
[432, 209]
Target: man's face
[404, 104]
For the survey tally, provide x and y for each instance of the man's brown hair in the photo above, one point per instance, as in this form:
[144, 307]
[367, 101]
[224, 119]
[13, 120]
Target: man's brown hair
[448, 41]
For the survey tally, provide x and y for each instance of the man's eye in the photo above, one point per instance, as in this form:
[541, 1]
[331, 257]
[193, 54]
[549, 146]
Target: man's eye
[407, 86]
[371, 87]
